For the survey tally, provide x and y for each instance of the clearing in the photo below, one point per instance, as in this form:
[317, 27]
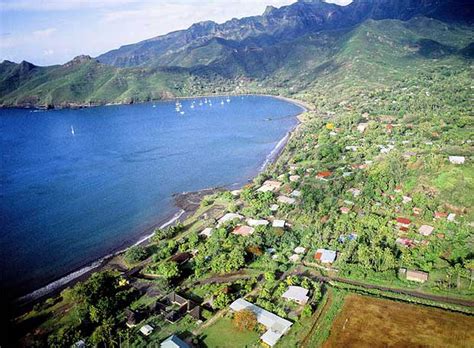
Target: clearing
[372, 322]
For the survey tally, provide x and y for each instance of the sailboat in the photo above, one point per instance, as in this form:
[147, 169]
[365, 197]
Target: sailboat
[72, 131]
[228, 99]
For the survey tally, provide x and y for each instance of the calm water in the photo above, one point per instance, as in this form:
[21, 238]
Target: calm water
[69, 199]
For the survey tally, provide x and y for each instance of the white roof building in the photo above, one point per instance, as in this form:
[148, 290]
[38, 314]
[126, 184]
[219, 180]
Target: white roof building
[294, 178]
[270, 186]
[174, 342]
[146, 330]
[426, 230]
[296, 193]
[229, 217]
[457, 159]
[207, 232]
[278, 223]
[274, 207]
[294, 258]
[325, 256]
[253, 222]
[296, 293]
[300, 250]
[276, 326]
[286, 200]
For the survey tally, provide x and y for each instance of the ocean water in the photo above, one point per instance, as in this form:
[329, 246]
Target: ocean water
[79, 184]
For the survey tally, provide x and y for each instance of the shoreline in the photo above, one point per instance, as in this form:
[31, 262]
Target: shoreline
[181, 212]
[72, 106]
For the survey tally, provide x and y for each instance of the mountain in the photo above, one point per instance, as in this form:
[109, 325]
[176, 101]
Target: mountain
[275, 25]
[283, 51]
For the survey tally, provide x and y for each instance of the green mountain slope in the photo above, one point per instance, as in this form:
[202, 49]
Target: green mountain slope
[375, 52]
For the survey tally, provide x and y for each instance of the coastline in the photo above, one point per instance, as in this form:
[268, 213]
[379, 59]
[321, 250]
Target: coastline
[183, 210]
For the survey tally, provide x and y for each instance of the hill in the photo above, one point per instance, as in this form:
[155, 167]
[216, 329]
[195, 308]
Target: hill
[283, 51]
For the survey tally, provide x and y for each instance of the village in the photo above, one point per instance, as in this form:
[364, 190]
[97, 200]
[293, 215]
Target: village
[249, 264]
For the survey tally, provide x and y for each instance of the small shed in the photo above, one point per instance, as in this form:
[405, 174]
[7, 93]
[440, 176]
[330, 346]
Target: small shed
[286, 200]
[207, 232]
[417, 276]
[426, 230]
[254, 222]
[278, 223]
[243, 230]
[457, 159]
[146, 330]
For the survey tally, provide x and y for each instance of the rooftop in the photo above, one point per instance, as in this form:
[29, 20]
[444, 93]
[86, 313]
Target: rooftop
[296, 293]
[275, 325]
[325, 255]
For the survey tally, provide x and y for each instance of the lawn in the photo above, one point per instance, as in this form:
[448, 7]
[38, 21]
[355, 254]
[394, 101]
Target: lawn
[372, 322]
[223, 334]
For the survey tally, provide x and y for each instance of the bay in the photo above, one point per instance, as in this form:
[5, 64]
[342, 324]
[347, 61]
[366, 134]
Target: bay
[79, 184]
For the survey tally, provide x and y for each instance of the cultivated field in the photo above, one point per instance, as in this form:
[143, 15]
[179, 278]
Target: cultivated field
[371, 322]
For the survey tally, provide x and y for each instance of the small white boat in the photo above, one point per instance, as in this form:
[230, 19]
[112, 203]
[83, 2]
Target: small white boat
[222, 102]
[182, 112]
[228, 100]
[72, 131]
[192, 106]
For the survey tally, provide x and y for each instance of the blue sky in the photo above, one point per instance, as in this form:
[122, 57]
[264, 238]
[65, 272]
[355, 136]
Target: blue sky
[49, 32]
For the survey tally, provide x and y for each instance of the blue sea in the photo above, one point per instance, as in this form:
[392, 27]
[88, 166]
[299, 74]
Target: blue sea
[77, 185]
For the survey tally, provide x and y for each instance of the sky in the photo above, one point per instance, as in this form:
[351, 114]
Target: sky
[47, 32]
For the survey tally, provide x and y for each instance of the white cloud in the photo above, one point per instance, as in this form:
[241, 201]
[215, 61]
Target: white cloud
[44, 33]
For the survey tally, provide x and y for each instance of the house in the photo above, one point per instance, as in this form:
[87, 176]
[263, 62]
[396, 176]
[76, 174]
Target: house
[426, 230]
[324, 175]
[417, 211]
[207, 232]
[300, 250]
[345, 210]
[286, 200]
[297, 294]
[254, 222]
[174, 342]
[133, 318]
[243, 230]
[457, 159]
[361, 127]
[406, 199]
[279, 223]
[175, 306]
[146, 330]
[270, 186]
[417, 276]
[294, 178]
[351, 148]
[389, 128]
[294, 258]
[295, 194]
[274, 207]
[181, 258]
[359, 166]
[229, 217]
[440, 215]
[325, 256]
[405, 242]
[275, 325]
[451, 217]
[403, 222]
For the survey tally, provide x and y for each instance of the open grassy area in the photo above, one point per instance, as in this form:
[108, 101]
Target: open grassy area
[371, 322]
[223, 334]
